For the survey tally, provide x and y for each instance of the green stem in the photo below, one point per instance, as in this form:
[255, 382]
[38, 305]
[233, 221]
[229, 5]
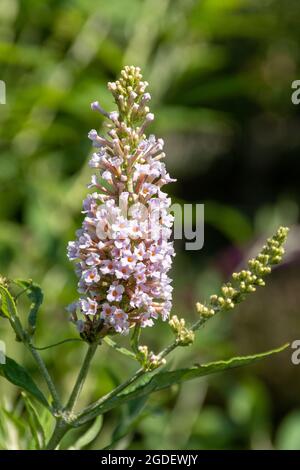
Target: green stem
[60, 430]
[69, 340]
[168, 349]
[135, 338]
[81, 377]
[44, 371]
[62, 426]
[26, 339]
[91, 411]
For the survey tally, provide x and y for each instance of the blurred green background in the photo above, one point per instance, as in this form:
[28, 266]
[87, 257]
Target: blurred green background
[220, 74]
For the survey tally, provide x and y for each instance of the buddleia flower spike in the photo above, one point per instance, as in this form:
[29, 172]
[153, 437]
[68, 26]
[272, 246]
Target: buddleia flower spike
[122, 252]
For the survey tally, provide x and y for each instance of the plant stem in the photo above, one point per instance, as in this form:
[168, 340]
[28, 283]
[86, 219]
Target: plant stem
[91, 411]
[27, 341]
[81, 377]
[44, 371]
[61, 425]
[87, 413]
[60, 430]
[175, 343]
[68, 340]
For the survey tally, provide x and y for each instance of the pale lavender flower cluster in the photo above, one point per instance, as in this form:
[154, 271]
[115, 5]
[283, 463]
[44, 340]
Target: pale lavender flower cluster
[122, 251]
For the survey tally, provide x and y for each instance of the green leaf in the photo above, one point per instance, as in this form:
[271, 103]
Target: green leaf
[19, 376]
[8, 306]
[34, 423]
[90, 434]
[12, 428]
[120, 349]
[3, 431]
[163, 380]
[134, 341]
[46, 420]
[153, 382]
[35, 294]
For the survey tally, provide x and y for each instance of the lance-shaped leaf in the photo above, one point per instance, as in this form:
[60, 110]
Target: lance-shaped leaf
[120, 349]
[90, 435]
[19, 376]
[9, 310]
[35, 294]
[34, 422]
[8, 306]
[12, 428]
[152, 382]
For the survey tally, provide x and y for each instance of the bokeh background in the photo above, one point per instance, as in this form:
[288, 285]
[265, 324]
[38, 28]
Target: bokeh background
[220, 74]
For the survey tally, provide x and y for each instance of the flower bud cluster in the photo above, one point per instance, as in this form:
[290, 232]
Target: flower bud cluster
[246, 281]
[148, 359]
[184, 336]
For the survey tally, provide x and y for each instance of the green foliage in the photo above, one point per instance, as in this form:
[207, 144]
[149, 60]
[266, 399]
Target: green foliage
[13, 435]
[144, 382]
[35, 423]
[35, 294]
[8, 306]
[153, 382]
[121, 350]
[90, 435]
[17, 375]
[23, 425]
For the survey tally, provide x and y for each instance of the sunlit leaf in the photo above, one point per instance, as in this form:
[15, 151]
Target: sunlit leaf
[153, 382]
[8, 306]
[35, 294]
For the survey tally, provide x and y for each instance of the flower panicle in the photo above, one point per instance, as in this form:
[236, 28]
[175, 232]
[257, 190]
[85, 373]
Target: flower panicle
[122, 251]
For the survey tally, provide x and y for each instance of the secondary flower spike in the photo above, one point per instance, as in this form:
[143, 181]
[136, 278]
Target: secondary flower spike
[123, 252]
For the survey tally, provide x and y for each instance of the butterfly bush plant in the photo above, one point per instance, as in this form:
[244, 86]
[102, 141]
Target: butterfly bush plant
[122, 256]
